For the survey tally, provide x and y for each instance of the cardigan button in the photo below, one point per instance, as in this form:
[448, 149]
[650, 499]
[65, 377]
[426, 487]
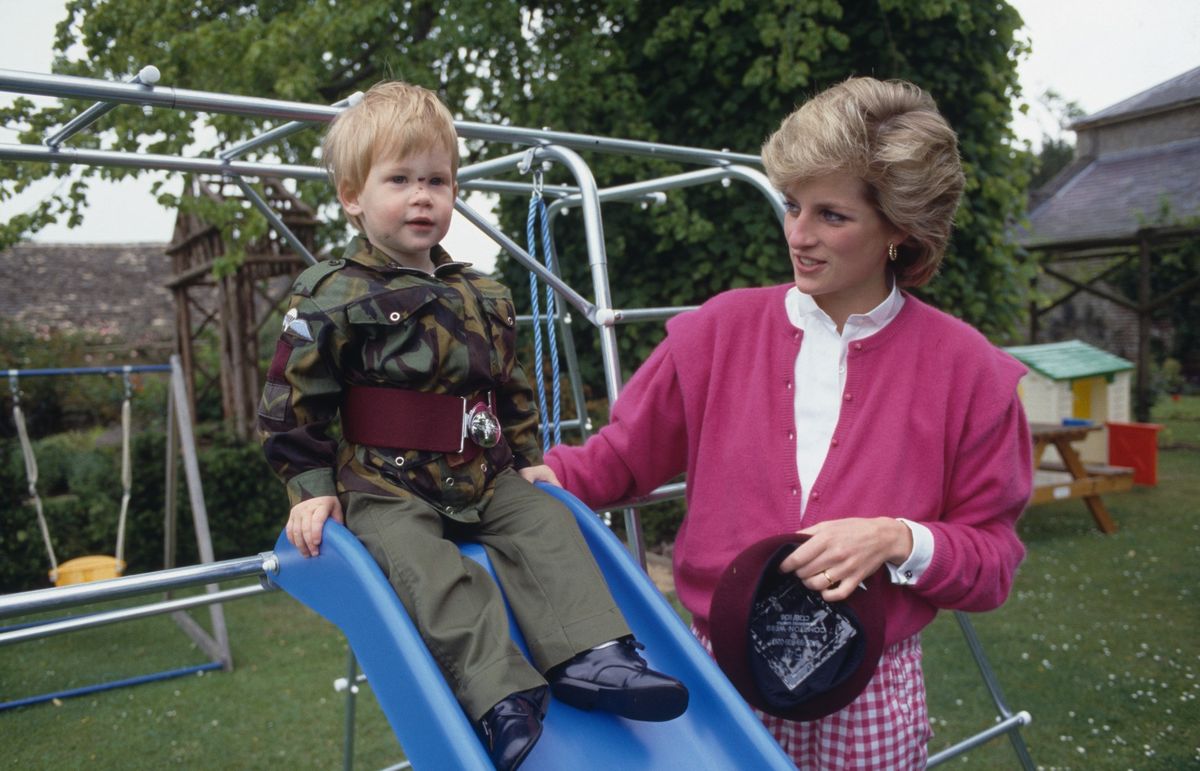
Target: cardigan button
[833, 442]
[858, 346]
[795, 491]
[791, 435]
[814, 495]
[849, 397]
[788, 385]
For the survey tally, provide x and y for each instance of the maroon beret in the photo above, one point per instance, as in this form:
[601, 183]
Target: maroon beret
[788, 651]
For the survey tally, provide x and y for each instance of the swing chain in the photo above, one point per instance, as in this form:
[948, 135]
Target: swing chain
[128, 383]
[14, 387]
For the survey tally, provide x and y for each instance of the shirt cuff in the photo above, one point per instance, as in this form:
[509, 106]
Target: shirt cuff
[909, 571]
[313, 483]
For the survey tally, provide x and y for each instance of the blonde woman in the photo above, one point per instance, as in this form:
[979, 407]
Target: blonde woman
[838, 406]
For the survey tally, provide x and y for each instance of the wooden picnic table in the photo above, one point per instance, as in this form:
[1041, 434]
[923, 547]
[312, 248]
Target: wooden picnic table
[1073, 478]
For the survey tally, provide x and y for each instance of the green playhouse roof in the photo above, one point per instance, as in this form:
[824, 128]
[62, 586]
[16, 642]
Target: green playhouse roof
[1069, 360]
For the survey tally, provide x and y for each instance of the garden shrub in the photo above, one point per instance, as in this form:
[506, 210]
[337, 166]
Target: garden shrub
[80, 485]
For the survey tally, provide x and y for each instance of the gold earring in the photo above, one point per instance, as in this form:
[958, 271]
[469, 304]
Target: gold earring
[892, 255]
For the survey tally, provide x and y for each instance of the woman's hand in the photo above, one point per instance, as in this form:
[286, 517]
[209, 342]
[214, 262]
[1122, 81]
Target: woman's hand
[841, 553]
[308, 518]
[542, 473]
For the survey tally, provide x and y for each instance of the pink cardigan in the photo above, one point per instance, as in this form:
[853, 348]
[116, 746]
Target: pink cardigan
[930, 429]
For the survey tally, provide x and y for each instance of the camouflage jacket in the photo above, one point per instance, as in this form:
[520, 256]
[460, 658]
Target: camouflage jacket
[364, 320]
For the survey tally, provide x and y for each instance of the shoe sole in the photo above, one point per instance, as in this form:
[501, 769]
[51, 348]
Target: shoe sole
[654, 705]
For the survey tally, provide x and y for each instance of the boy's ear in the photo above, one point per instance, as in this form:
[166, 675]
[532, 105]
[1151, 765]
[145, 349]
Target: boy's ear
[349, 200]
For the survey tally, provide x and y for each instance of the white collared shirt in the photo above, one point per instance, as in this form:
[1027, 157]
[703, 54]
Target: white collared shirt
[820, 379]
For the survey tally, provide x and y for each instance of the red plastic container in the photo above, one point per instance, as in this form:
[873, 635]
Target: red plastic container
[1135, 445]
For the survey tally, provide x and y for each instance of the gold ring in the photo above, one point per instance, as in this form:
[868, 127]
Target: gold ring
[832, 583]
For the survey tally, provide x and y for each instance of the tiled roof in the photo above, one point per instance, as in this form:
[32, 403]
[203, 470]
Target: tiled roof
[1170, 93]
[1069, 360]
[112, 290]
[1115, 195]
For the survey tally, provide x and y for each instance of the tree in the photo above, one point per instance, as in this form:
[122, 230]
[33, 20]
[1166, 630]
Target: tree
[709, 74]
[1057, 149]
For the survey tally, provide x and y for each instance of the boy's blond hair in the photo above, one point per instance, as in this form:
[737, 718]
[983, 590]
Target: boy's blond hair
[890, 135]
[393, 120]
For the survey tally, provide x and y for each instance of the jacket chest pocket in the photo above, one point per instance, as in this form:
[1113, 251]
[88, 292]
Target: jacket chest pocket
[502, 322]
[397, 329]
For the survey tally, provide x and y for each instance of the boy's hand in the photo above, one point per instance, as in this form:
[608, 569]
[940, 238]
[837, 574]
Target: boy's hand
[306, 520]
[539, 474]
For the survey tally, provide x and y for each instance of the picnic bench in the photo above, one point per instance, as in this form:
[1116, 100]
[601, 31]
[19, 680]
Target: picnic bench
[1072, 478]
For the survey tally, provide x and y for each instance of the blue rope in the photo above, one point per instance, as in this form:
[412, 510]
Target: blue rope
[531, 247]
[551, 317]
[537, 206]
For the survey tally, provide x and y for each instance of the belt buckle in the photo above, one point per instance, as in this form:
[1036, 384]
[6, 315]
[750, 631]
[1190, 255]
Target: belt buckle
[481, 426]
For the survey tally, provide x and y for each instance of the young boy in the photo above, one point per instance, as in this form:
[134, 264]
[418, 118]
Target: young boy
[415, 356]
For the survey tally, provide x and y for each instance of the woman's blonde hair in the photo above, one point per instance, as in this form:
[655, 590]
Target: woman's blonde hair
[890, 135]
[393, 120]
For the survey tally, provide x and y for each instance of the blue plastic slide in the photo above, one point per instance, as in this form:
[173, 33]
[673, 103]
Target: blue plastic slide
[718, 731]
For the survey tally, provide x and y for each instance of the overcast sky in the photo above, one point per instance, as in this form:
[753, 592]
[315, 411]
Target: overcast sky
[1093, 52]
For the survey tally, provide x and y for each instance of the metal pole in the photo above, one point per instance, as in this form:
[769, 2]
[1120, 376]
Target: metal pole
[1008, 725]
[279, 132]
[993, 687]
[73, 155]
[516, 188]
[147, 77]
[351, 700]
[62, 626]
[275, 221]
[40, 600]
[522, 256]
[203, 101]
[112, 370]
[598, 261]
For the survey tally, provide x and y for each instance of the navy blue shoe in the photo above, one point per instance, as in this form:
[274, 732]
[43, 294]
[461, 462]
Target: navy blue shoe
[616, 679]
[513, 725]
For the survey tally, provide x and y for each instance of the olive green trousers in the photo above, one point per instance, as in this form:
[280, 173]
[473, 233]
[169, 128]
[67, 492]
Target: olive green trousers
[554, 588]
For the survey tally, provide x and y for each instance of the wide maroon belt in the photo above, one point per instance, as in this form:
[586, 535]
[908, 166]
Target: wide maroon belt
[418, 420]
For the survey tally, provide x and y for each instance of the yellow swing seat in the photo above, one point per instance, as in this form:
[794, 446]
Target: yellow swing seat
[93, 567]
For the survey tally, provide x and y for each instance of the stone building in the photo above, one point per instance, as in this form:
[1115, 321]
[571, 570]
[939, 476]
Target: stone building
[1131, 194]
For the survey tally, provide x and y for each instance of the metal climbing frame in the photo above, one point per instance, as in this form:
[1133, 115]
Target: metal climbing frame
[180, 441]
[535, 146]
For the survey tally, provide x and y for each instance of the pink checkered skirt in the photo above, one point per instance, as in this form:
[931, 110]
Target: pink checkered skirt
[885, 728]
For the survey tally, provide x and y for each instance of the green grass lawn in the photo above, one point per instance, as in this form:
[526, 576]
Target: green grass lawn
[1099, 639]
[1099, 642]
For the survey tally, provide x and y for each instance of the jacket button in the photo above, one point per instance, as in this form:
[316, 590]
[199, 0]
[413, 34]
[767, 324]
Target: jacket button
[399, 461]
[394, 316]
[483, 467]
[449, 481]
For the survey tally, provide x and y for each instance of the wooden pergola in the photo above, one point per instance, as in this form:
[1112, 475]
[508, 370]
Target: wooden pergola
[232, 306]
[1106, 257]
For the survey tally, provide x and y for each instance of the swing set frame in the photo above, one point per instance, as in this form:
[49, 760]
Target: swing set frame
[180, 443]
[538, 149]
